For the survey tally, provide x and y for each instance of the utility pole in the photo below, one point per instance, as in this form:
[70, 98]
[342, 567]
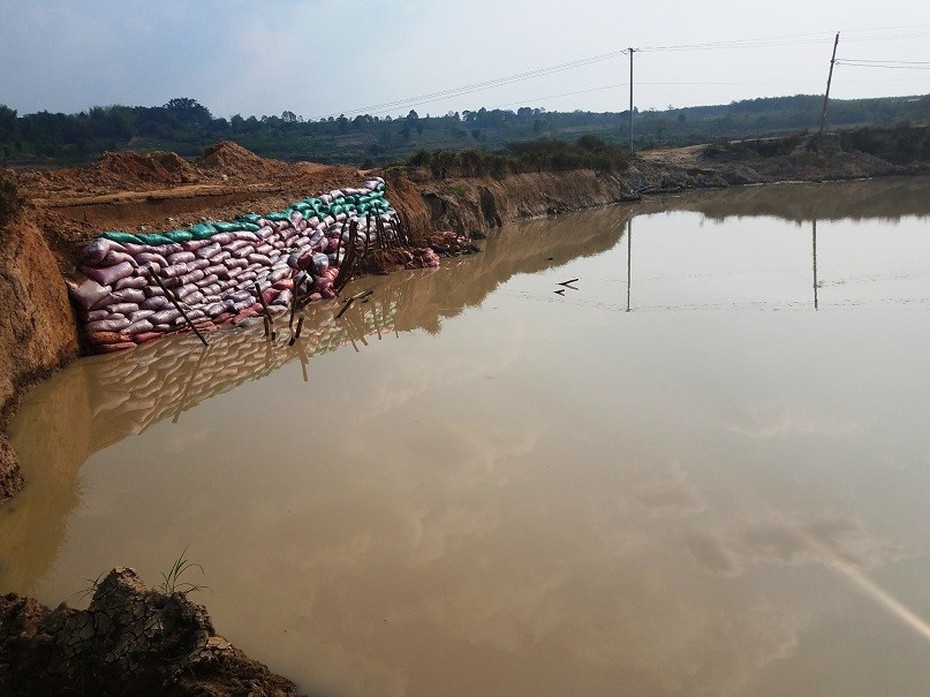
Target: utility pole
[631, 50]
[826, 95]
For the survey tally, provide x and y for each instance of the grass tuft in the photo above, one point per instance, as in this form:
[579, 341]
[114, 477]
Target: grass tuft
[171, 581]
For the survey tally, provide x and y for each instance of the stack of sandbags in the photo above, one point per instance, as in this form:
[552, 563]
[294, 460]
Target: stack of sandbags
[212, 268]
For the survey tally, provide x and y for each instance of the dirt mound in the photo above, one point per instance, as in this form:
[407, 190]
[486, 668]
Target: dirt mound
[131, 168]
[233, 160]
[130, 641]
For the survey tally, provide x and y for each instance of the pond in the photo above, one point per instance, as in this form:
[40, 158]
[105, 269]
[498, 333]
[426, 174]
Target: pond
[700, 468]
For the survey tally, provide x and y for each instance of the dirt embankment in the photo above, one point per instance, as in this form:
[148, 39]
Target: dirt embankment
[855, 154]
[474, 203]
[470, 204]
[131, 640]
[37, 329]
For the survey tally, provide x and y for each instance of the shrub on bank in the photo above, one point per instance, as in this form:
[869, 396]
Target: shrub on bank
[543, 155]
[10, 202]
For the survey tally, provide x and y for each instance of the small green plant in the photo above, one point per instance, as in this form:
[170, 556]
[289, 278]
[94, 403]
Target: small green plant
[171, 581]
[92, 585]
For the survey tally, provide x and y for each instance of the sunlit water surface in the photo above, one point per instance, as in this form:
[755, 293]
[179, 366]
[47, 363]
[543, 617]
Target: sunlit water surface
[700, 469]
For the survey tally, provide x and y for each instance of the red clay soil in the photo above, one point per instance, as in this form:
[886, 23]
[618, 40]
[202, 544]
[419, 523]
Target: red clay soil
[162, 191]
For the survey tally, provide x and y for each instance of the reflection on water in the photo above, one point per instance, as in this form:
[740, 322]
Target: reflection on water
[103, 399]
[873, 199]
[504, 490]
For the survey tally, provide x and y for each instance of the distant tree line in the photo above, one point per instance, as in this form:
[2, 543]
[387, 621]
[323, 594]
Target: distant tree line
[185, 126]
[542, 155]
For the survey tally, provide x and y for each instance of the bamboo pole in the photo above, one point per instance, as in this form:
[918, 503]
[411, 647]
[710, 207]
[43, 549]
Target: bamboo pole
[269, 320]
[177, 305]
[357, 296]
[300, 325]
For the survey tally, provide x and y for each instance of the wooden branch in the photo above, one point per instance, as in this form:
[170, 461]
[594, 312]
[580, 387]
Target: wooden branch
[177, 305]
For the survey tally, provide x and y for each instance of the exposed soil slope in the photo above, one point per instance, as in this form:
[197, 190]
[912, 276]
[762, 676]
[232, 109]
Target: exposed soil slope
[131, 641]
[37, 329]
[854, 154]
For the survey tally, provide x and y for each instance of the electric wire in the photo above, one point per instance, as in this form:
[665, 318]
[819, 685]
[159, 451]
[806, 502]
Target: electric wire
[489, 84]
[788, 40]
[886, 65]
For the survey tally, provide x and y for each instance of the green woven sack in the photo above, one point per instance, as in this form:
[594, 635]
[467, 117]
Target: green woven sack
[201, 228]
[235, 226]
[122, 237]
[179, 235]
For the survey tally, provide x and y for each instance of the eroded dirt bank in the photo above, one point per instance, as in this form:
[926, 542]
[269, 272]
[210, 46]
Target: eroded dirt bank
[464, 203]
[131, 640]
[37, 330]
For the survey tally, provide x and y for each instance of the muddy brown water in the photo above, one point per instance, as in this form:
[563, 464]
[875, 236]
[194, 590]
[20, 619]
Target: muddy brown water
[688, 480]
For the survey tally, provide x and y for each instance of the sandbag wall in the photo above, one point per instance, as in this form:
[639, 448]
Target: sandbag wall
[212, 268]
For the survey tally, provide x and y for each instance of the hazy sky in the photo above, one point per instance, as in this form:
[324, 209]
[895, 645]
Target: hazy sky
[326, 57]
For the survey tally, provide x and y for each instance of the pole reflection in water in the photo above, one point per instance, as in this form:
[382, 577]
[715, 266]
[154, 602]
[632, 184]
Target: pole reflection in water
[814, 238]
[629, 260]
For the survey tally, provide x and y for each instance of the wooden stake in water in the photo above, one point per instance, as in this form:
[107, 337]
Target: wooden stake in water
[357, 296]
[300, 325]
[177, 305]
[348, 260]
[269, 320]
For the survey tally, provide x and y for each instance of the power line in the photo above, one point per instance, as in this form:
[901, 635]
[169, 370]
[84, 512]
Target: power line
[720, 83]
[897, 62]
[624, 85]
[887, 37]
[489, 84]
[735, 44]
[899, 26]
[888, 65]
[738, 44]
